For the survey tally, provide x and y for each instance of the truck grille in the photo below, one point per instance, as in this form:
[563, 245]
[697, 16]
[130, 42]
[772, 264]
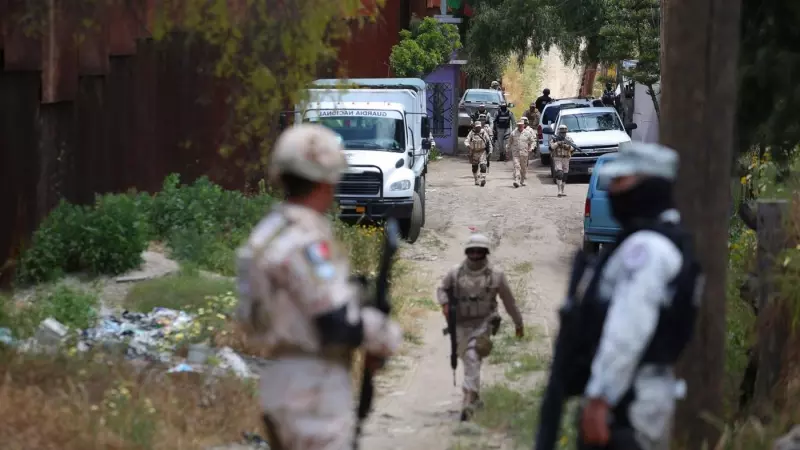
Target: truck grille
[596, 150]
[365, 183]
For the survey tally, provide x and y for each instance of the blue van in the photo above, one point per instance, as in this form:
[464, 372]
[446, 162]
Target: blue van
[599, 227]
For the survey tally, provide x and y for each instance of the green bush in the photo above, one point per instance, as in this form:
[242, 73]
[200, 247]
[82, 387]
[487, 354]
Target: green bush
[106, 238]
[73, 307]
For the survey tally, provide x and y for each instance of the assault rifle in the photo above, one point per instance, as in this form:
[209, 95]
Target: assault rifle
[452, 304]
[391, 231]
[562, 382]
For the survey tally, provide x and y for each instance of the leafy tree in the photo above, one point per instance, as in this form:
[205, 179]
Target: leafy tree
[769, 61]
[425, 47]
[632, 31]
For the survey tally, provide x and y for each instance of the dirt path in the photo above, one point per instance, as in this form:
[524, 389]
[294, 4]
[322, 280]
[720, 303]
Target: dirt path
[534, 233]
[563, 80]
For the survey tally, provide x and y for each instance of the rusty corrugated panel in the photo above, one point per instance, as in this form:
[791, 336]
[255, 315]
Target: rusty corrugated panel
[59, 54]
[21, 52]
[367, 52]
[93, 49]
[122, 28]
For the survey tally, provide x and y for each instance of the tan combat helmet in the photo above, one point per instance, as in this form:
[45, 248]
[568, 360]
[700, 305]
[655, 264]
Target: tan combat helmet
[309, 151]
[495, 84]
[562, 129]
[478, 240]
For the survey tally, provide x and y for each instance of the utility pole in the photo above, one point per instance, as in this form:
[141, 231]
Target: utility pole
[700, 45]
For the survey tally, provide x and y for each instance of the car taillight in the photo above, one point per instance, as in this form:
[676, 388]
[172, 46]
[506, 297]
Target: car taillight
[539, 131]
[587, 208]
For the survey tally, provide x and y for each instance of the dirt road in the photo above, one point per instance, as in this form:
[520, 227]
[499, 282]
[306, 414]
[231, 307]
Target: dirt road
[534, 233]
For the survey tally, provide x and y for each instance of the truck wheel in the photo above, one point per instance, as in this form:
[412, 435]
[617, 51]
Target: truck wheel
[411, 227]
[591, 247]
[422, 198]
[545, 159]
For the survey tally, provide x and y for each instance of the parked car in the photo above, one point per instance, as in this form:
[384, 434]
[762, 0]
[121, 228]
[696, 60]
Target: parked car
[471, 100]
[549, 116]
[595, 131]
[599, 227]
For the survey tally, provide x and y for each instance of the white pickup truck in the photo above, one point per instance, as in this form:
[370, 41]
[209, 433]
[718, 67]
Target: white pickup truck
[385, 131]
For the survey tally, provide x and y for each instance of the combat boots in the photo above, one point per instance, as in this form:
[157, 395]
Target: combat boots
[468, 405]
[475, 175]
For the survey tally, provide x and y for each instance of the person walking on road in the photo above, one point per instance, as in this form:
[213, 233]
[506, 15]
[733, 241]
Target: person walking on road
[561, 148]
[543, 100]
[474, 286]
[479, 146]
[297, 301]
[521, 142]
[502, 130]
[533, 116]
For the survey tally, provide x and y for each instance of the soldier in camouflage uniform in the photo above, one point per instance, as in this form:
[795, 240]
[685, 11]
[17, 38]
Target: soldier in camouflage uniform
[532, 114]
[521, 142]
[479, 146]
[475, 285]
[297, 301]
[561, 148]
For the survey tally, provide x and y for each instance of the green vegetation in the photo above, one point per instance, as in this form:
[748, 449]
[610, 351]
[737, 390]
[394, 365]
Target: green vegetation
[423, 48]
[72, 306]
[183, 292]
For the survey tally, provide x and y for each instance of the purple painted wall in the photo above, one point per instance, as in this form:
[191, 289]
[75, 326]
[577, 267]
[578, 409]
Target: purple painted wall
[443, 106]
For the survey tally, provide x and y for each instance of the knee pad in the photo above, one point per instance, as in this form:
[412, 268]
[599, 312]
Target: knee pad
[483, 168]
[559, 174]
[474, 168]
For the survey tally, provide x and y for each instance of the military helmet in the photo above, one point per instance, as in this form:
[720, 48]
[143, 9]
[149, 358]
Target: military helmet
[495, 83]
[309, 151]
[546, 91]
[478, 240]
[562, 128]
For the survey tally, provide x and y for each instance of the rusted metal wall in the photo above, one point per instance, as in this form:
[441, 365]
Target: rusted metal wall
[366, 55]
[74, 122]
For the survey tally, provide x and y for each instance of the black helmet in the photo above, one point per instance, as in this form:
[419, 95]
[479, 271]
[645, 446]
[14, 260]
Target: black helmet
[546, 91]
[503, 106]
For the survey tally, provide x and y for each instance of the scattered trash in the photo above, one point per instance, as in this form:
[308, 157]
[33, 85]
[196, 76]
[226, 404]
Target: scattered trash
[141, 335]
[7, 338]
[234, 362]
[198, 353]
[183, 367]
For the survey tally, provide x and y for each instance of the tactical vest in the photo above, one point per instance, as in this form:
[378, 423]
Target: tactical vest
[675, 323]
[478, 142]
[560, 148]
[475, 294]
[503, 119]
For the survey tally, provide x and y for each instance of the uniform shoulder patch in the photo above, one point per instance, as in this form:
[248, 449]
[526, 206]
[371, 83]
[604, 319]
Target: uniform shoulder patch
[635, 256]
[319, 255]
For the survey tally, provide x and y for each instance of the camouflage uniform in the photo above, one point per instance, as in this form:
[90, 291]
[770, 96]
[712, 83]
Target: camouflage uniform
[561, 148]
[520, 143]
[476, 285]
[531, 130]
[292, 274]
[533, 115]
[479, 146]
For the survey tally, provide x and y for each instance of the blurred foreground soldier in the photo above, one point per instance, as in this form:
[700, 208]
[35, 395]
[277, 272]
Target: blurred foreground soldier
[629, 315]
[501, 130]
[298, 303]
[521, 142]
[472, 288]
[479, 146]
[543, 100]
[561, 148]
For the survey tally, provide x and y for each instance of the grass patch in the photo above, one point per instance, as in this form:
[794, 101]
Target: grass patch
[74, 307]
[507, 347]
[181, 291]
[527, 363]
[87, 404]
[522, 268]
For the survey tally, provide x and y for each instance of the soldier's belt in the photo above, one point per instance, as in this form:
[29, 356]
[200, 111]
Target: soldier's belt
[338, 356]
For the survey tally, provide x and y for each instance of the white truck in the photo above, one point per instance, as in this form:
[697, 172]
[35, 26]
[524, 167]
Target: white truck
[384, 128]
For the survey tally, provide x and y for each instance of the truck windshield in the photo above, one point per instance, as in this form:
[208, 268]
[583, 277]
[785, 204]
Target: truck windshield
[599, 121]
[366, 133]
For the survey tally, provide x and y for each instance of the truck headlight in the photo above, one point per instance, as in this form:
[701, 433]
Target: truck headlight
[403, 185]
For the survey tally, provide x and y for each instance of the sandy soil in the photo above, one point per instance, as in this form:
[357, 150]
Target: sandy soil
[531, 228]
[562, 79]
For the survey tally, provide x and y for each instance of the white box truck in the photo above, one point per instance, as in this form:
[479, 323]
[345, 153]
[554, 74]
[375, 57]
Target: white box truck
[385, 131]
